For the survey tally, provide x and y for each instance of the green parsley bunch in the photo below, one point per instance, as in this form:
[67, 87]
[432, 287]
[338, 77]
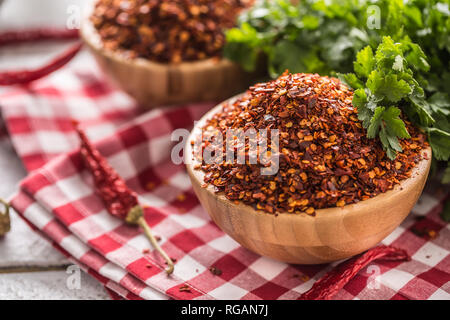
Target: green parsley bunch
[398, 64]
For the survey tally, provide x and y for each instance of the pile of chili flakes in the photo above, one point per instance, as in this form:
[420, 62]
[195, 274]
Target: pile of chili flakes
[166, 31]
[325, 157]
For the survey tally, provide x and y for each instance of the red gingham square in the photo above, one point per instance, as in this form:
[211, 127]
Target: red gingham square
[104, 244]
[229, 266]
[186, 241]
[91, 258]
[71, 214]
[435, 276]
[132, 136]
[143, 267]
[269, 291]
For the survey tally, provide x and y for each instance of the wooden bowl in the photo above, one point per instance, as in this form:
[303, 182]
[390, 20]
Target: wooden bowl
[154, 84]
[333, 234]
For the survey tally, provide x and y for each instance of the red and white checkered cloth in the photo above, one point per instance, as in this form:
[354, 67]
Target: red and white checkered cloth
[58, 200]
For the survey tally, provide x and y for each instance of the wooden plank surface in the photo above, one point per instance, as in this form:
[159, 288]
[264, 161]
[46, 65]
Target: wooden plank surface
[54, 285]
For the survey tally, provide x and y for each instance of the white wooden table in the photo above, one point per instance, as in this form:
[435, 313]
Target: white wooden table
[29, 267]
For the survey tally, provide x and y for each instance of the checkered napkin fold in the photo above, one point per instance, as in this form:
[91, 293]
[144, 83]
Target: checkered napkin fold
[58, 201]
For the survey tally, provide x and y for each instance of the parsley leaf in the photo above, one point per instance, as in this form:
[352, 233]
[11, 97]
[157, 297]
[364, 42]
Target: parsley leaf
[394, 124]
[364, 62]
[388, 86]
[350, 80]
[440, 143]
[375, 123]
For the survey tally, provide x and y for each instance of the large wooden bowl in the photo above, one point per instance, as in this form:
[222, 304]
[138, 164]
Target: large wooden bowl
[155, 84]
[333, 234]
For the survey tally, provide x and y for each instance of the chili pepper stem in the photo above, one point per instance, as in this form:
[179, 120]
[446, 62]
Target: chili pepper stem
[5, 225]
[148, 232]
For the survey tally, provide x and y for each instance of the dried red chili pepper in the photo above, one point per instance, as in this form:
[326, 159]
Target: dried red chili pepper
[330, 284]
[25, 76]
[119, 200]
[22, 36]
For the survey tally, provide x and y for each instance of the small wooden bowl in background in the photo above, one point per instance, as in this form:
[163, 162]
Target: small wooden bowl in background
[333, 234]
[155, 84]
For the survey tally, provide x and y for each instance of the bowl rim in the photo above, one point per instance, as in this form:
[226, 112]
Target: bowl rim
[91, 37]
[328, 214]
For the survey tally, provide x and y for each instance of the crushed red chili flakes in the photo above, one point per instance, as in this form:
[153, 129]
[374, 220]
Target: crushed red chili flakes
[325, 157]
[185, 288]
[173, 260]
[215, 271]
[425, 233]
[302, 277]
[166, 31]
